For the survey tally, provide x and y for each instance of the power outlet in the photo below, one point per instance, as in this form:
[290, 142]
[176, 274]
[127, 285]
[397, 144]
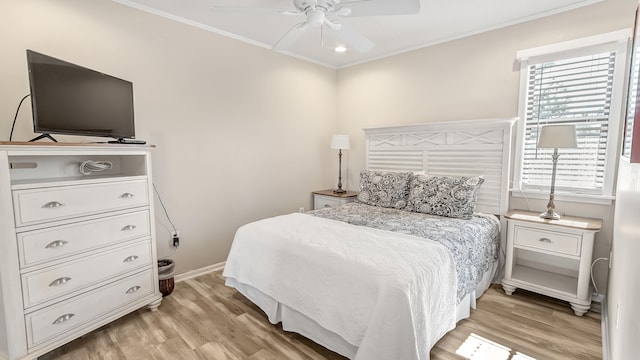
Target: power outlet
[301, 209]
[175, 239]
[595, 297]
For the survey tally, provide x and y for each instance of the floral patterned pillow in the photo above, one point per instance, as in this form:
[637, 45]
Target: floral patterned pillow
[451, 196]
[384, 189]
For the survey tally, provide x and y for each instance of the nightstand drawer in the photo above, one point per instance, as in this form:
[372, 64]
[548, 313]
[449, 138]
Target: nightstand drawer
[323, 202]
[547, 240]
[327, 198]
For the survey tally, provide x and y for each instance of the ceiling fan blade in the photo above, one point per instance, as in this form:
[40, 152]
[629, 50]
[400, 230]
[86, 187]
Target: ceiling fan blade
[289, 12]
[343, 11]
[255, 10]
[290, 38]
[381, 7]
[358, 41]
[333, 25]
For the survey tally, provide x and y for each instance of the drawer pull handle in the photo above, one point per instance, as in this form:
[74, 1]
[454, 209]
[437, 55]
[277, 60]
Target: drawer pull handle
[130, 258]
[60, 281]
[545, 240]
[52, 205]
[126, 195]
[55, 244]
[327, 205]
[133, 289]
[63, 318]
[128, 228]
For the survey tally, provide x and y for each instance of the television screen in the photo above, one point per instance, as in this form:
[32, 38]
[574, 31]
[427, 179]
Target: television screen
[71, 99]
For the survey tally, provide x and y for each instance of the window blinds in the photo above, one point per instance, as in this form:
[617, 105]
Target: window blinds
[569, 91]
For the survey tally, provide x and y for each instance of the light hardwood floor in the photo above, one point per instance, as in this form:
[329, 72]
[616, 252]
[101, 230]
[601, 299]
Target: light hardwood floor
[203, 319]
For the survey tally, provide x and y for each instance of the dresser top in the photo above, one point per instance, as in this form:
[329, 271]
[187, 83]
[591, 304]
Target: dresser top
[28, 144]
[568, 221]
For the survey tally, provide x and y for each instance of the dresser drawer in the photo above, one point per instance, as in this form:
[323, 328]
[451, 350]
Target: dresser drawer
[40, 286]
[62, 318]
[53, 243]
[558, 242]
[47, 204]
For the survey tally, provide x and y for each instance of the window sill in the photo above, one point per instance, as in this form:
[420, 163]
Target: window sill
[577, 198]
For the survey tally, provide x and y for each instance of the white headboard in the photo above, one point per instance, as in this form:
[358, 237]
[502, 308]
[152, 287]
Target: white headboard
[469, 147]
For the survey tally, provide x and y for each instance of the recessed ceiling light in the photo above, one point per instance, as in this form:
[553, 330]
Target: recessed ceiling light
[340, 49]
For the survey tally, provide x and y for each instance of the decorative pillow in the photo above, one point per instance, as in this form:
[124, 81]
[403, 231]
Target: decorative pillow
[451, 196]
[384, 189]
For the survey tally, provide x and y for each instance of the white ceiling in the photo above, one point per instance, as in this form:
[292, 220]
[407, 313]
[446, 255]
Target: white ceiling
[438, 21]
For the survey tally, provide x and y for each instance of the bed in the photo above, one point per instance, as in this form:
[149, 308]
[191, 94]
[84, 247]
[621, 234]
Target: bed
[386, 277]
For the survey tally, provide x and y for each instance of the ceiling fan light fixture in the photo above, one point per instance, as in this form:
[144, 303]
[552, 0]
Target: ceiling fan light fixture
[316, 17]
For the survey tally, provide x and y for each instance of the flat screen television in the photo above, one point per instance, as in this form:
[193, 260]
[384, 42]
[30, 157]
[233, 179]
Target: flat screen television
[71, 99]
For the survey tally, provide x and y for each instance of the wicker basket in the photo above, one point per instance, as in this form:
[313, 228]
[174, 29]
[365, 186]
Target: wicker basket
[166, 286]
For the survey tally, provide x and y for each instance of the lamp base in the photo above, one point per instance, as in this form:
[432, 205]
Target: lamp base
[550, 214]
[339, 191]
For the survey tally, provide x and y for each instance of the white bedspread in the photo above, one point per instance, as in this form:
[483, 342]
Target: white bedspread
[389, 294]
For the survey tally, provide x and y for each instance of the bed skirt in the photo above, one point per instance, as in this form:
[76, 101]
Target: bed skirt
[294, 321]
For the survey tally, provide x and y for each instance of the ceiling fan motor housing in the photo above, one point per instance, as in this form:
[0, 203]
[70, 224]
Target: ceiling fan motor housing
[306, 5]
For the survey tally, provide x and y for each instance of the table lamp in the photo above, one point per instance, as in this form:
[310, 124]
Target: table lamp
[340, 142]
[556, 137]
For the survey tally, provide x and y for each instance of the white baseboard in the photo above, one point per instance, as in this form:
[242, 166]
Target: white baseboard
[197, 272]
[604, 323]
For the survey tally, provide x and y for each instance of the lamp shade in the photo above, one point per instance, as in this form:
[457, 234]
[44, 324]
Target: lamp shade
[558, 136]
[340, 142]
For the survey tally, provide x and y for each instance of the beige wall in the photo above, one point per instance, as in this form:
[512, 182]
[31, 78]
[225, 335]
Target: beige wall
[242, 132]
[472, 78]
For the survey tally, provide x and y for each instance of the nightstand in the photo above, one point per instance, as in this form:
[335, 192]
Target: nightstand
[327, 198]
[550, 257]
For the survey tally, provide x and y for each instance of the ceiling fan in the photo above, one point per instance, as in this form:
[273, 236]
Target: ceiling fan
[326, 14]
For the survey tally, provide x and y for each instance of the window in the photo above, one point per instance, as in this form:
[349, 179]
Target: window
[572, 83]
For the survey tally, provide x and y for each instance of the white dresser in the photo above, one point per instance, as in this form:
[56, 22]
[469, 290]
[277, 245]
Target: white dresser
[76, 251]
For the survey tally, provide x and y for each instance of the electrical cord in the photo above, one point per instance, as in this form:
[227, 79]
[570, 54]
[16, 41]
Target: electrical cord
[90, 166]
[592, 280]
[175, 231]
[16, 116]
[522, 193]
